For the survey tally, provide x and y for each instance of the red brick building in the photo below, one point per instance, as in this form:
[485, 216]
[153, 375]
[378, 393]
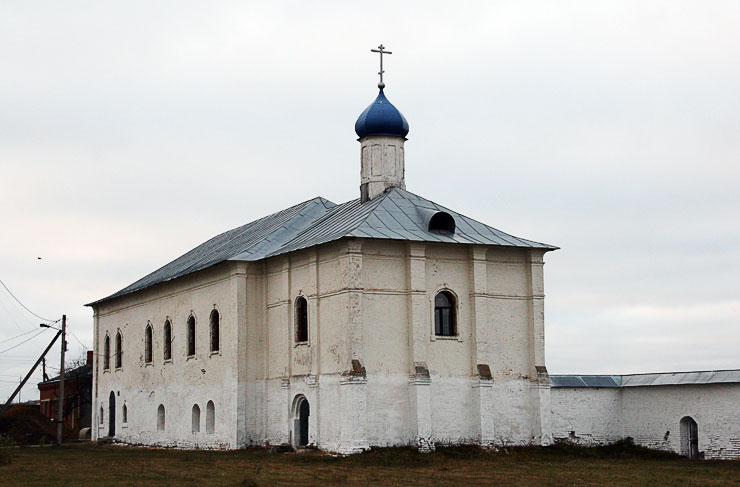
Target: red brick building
[77, 396]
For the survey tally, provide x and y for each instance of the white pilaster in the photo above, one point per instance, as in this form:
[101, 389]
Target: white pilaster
[540, 383]
[353, 384]
[481, 353]
[239, 283]
[420, 400]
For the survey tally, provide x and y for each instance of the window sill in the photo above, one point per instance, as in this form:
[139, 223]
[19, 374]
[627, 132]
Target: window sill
[167, 361]
[215, 352]
[455, 338]
[124, 425]
[118, 369]
[302, 344]
[147, 364]
[106, 371]
[190, 357]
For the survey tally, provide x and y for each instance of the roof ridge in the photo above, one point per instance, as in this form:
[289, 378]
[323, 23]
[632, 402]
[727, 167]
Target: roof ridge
[303, 235]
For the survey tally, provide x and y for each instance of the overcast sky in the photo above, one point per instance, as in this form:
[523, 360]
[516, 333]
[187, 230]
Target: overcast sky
[130, 132]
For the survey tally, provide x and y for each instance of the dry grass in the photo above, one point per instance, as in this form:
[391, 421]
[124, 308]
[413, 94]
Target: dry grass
[110, 465]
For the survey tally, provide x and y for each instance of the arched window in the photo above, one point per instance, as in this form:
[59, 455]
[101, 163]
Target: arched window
[124, 415]
[148, 344]
[301, 320]
[210, 417]
[106, 353]
[191, 336]
[195, 421]
[167, 340]
[215, 323]
[445, 319]
[119, 349]
[160, 418]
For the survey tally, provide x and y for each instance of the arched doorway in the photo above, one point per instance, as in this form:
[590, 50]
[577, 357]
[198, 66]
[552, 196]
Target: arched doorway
[689, 438]
[112, 414]
[301, 412]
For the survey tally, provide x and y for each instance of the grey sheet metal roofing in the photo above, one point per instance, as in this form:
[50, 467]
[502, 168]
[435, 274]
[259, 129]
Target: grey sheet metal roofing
[641, 380]
[396, 215]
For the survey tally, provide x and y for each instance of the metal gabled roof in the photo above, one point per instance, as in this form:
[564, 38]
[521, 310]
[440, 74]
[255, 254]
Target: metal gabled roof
[399, 215]
[253, 241]
[396, 215]
[642, 380]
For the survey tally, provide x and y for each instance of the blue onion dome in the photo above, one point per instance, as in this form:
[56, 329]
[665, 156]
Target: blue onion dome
[381, 118]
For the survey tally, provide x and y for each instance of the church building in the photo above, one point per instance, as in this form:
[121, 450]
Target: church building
[385, 320]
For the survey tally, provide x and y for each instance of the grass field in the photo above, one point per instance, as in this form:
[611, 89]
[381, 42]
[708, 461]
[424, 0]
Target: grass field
[110, 465]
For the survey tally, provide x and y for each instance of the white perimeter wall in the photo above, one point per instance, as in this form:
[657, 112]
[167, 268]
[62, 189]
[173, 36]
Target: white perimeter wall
[650, 415]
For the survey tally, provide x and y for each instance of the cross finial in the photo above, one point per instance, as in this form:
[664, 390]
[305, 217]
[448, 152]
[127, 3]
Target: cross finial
[381, 50]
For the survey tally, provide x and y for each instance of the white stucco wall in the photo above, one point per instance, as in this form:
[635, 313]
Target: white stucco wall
[368, 300]
[651, 416]
[178, 383]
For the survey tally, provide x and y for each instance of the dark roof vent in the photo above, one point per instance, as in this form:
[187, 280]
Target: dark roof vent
[436, 220]
[442, 222]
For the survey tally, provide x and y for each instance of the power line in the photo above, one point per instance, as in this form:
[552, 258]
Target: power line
[78, 341]
[24, 341]
[17, 336]
[23, 305]
[10, 315]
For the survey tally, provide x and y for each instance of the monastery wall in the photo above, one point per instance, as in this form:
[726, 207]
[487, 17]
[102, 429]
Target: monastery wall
[587, 416]
[178, 383]
[651, 416]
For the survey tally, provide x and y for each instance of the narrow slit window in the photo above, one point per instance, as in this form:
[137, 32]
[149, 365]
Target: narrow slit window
[191, 336]
[119, 350]
[301, 320]
[148, 344]
[215, 330]
[167, 340]
[106, 353]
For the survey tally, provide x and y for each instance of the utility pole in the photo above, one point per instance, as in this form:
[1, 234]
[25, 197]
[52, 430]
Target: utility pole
[60, 414]
[9, 402]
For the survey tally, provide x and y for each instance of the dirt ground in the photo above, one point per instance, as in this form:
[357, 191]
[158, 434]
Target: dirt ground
[87, 464]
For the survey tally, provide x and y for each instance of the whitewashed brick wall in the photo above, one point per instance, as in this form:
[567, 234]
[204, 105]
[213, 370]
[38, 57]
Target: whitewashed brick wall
[650, 415]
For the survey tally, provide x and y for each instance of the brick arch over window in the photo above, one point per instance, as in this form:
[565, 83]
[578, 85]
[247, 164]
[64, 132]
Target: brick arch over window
[301, 319]
[191, 335]
[215, 321]
[148, 344]
[167, 340]
[445, 314]
[106, 352]
[119, 349]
